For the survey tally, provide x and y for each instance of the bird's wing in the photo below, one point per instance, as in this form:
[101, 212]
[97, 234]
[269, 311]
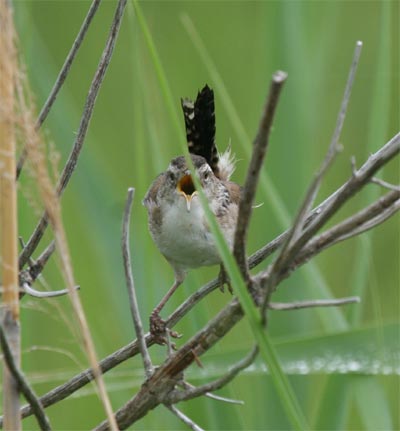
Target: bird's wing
[150, 200]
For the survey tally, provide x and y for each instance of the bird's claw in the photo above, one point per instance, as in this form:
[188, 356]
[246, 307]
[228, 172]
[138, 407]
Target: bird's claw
[160, 331]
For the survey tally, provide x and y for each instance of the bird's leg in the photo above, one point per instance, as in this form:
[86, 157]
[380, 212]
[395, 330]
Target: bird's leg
[224, 279]
[157, 324]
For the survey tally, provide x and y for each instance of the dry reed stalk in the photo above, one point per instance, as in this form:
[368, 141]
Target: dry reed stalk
[16, 112]
[8, 214]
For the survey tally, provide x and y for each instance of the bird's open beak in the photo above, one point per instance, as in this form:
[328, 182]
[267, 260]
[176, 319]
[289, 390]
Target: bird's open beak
[186, 188]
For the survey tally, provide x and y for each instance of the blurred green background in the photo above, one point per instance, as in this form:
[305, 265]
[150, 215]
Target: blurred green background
[343, 363]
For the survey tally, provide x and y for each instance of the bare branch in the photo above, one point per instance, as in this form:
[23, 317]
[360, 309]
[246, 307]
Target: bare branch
[186, 420]
[284, 306]
[61, 76]
[148, 366]
[83, 127]
[177, 396]
[23, 385]
[259, 149]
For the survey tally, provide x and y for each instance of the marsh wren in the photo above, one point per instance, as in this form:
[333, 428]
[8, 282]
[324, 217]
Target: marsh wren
[176, 218]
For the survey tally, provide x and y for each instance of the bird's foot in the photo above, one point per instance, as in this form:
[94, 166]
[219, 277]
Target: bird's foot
[224, 279]
[159, 329]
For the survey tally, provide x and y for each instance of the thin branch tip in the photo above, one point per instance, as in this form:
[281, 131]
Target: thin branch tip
[279, 76]
[130, 284]
[289, 306]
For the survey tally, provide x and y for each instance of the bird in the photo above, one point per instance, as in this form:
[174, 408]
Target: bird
[176, 218]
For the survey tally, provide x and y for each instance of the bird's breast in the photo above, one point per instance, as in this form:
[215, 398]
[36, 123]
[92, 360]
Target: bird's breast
[184, 237]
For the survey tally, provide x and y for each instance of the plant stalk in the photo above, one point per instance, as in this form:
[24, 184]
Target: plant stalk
[8, 214]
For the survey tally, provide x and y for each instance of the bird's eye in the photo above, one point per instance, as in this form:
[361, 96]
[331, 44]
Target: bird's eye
[171, 176]
[206, 175]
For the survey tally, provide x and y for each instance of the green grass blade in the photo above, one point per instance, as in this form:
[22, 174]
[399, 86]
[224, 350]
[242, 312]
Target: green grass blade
[372, 404]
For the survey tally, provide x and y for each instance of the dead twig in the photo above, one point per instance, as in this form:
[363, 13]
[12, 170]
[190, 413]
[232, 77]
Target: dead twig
[259, 149]
[287, 306]
[148, 366]
[61, 76]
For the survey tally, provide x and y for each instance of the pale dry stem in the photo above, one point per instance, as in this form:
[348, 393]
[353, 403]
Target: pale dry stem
[8, 214]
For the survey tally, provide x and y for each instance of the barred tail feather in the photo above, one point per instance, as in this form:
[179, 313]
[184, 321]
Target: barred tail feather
[200, 126]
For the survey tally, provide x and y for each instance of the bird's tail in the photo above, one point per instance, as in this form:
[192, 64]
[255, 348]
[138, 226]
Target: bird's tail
[200, 127]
